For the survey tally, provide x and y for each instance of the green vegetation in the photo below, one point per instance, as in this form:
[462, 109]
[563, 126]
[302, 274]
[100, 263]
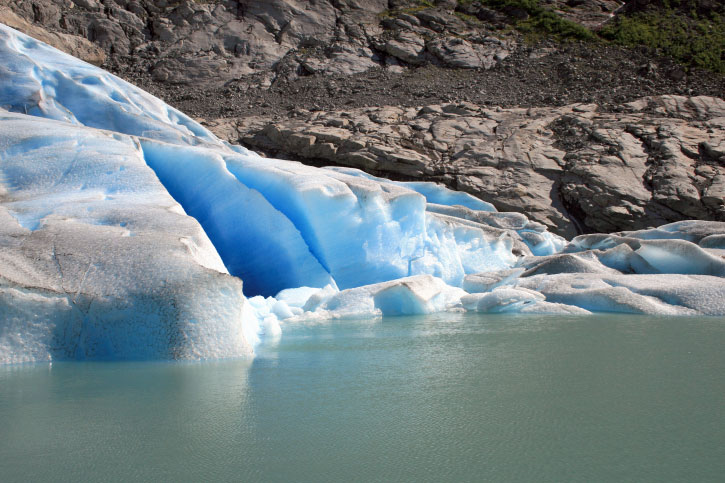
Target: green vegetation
[422, 5]
[467, 18]
[541, 21]
[690, 31]
[690, 38]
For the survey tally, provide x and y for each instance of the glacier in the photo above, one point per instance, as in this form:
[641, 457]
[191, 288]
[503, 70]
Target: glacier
[129, 231]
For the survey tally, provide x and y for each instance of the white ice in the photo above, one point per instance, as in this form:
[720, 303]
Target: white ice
[128, 230]
[97, 261]
[416, 295]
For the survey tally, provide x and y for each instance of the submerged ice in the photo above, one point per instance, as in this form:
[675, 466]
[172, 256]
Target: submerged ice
[128, 230]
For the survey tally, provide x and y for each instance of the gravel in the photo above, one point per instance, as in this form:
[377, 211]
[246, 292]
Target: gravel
[534, 76]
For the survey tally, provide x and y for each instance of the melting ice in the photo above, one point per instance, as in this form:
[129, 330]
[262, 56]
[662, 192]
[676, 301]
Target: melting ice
[128, 230]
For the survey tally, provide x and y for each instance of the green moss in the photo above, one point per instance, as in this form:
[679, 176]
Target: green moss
[690, 39]
[549, 23]
[531, 7]
[690, 31]
[541, 21]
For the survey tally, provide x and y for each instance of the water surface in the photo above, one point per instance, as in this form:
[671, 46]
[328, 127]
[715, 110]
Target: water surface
[438, 398]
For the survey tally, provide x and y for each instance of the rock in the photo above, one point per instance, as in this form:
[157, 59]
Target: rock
[71, 44]
[574, 169]
[92, 5]
[592, 14]
[407, 47]
[457, 52]
[343, 60]
[440, 17]
[191, 42]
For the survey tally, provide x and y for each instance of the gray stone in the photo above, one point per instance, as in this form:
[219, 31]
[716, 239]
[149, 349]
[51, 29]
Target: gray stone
[407, 46]
[191, 42]
[570, 168]
[74, 45]
[458, 52]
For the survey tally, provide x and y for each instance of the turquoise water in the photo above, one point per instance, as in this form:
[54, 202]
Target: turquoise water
[439, 398]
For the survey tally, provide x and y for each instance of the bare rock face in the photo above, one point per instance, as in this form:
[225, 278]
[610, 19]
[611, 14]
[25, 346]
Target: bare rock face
[407, 46]
[457, 52]
[576, 168]
[74, 45]
[188, 42]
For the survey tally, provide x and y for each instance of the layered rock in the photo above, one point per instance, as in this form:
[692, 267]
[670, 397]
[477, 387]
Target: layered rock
[188, 42]
[577, 168]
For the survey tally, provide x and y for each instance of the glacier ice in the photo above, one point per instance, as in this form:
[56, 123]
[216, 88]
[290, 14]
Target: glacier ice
[637, 273]
[636, 294]
[86, 184]
[128, 230]
[644, 255]
[690, 230]
[444, 201]
[516, 300]
[433, 192]
[416, 295]
[41, 81]
[97, 260]
[244, 227]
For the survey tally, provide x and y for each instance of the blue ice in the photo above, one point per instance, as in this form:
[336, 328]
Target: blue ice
[121, 219]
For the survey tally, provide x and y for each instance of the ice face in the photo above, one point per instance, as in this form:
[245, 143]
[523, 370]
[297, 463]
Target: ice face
[121, 220]
[98, 261]
[433, 192]
[107, 208]
[257, 242]
[456, 204]
[324, 227]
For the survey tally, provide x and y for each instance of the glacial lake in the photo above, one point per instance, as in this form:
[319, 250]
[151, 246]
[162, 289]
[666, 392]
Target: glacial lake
[451, 397]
